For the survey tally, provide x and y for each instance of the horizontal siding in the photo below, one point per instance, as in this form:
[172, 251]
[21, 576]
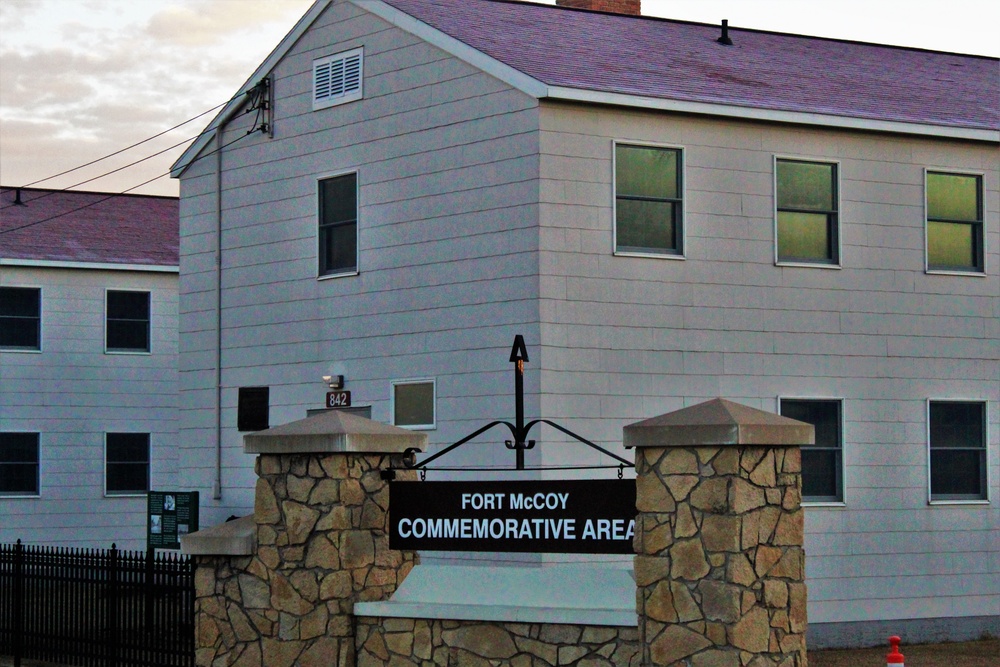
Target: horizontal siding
[627, 338]
[447, 164]
[72, 393]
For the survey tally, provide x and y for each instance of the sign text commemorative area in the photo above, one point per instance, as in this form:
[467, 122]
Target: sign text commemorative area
[570, 516]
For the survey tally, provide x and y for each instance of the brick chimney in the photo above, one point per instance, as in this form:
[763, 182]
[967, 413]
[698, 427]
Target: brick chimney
[612, 6]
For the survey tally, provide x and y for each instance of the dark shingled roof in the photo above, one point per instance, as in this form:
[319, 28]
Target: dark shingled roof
[682, 61]
[94, 227]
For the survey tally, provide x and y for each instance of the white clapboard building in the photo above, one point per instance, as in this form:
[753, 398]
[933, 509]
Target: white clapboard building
[667, 212]
[88, 364]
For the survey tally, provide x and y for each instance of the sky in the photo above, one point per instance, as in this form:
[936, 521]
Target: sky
[81, 79]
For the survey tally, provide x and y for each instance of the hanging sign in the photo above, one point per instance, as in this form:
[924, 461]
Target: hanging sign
[169, 515]
[567, 516]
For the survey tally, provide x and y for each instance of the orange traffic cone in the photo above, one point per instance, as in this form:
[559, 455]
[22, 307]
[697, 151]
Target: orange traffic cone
[894, 658]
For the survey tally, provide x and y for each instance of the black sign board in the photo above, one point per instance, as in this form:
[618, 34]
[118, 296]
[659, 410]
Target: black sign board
[568, 516]
[338, 399]
[170, 514]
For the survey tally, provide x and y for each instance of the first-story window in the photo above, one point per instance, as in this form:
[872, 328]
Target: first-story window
[19, 464]
[413, 404]
[20, 318]
[822, 462]
[648, 200]
[954, 222]
[806, 210]
[127, 324]
[253, 409]
[127, 460]
[338, 225]
[956, 434]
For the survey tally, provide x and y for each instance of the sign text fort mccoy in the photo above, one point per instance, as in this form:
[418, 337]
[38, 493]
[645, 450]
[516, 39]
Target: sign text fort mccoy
[569, 516]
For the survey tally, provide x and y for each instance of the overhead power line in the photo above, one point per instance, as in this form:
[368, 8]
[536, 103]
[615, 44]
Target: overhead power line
[127, 148]
[252, 93]
[117, 194]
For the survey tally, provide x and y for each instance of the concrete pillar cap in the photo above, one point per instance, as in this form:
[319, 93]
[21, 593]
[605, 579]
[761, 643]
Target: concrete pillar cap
[718, 422]
[334, 431]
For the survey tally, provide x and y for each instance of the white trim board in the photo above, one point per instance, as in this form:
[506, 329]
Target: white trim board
[92, 266]
[598, 594]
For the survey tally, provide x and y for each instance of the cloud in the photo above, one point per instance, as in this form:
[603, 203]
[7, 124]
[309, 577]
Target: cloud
[206, 22]
[80, 79]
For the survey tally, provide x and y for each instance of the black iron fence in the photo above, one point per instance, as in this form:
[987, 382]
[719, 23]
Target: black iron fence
[96, 607]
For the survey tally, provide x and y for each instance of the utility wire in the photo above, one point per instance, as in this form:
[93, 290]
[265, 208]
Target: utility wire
[139, 143]
[134, 187]
[254, 97]
[113, 171]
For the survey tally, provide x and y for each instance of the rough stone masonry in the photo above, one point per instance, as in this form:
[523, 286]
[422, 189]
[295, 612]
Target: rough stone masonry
[322, 545]
[720, 565]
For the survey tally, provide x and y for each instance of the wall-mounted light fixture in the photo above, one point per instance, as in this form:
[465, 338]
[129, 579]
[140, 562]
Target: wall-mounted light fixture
[334, 381]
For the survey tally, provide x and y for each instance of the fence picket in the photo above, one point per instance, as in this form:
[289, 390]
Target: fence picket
[96, 607]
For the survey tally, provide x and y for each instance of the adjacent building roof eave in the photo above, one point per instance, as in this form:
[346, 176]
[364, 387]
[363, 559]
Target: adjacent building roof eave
[771, 115]
[90, 266]
[237, 101]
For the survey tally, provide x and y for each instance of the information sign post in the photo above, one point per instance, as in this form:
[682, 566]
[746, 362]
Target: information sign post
[169, 515]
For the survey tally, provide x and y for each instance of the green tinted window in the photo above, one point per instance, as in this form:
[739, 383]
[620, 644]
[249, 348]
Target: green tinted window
[803, 235]
[413, 404]
[953, 197]
[647, 199]
[954, 222]
[647, 172]
[806, 194]
[806, 186]
[950, 244]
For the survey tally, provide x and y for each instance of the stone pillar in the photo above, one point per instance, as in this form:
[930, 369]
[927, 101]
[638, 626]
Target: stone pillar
[318, 543]
[719, 563]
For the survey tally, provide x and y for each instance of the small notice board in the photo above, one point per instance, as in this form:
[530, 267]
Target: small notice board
[169, 515]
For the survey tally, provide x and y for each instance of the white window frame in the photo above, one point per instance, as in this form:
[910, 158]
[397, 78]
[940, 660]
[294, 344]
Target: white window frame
[357, 223]
[41, 325]
[149, 294]
[682, 255]
[843, 449]
[149, 466]
[392, 403]
[982, 195]
[345, 97]
[927, 450]
[38, 480]
[838, 263]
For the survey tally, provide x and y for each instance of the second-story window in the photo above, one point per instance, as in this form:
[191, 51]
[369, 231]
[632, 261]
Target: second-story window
[338, 225]
[648, 201]
[20, 318]
[127, 324]
[807, 225]
[954, 222]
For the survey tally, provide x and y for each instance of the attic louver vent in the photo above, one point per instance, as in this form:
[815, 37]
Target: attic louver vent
[337, 79]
